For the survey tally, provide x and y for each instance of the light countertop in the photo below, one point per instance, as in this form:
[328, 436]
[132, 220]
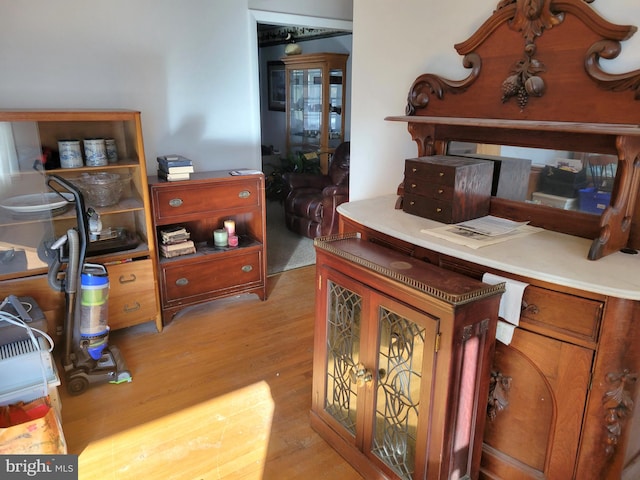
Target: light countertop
[547, 256]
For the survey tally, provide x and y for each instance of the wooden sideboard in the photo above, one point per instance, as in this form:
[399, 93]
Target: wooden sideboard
[564, 394]
[563, 391]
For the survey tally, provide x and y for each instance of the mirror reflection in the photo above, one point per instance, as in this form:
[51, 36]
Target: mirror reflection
[578, 181]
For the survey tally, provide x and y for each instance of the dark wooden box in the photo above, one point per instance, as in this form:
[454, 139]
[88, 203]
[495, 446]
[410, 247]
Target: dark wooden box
[447, 189]
[510, 176]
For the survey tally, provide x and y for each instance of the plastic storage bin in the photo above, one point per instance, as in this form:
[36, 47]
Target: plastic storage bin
[593, 200]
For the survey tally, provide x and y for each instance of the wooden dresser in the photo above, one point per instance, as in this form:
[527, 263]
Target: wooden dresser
[201, 205]
[563, 401]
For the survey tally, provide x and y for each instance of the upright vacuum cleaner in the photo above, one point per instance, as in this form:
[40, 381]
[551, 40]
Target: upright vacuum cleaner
[87, 357]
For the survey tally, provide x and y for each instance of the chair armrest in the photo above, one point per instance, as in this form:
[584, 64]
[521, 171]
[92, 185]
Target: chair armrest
[333, 190]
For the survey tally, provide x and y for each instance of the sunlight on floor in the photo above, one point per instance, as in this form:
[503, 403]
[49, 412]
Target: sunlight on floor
[195, 443]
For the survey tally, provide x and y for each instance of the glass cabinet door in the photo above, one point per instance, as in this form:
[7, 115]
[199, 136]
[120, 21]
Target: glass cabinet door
[305, 108]
[27, 205]
[336, 101]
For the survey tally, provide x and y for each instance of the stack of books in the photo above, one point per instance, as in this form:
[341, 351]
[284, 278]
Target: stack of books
[176, 241]
[174, 167]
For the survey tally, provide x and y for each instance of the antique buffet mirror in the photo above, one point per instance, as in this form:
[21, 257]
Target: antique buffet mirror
[536, 90]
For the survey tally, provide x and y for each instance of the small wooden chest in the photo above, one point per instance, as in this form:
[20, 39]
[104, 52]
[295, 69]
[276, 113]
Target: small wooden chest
[447, 189]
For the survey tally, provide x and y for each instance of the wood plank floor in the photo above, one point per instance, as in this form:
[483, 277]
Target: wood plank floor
[224, 392]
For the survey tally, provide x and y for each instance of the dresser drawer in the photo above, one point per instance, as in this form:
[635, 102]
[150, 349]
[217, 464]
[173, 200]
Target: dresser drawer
[176, 203]
[440, 211]
[190, 280]
[132, 293]
[567, 316]
[429, 190]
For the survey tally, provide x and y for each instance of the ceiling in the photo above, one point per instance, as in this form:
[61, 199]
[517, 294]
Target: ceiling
[269, 35]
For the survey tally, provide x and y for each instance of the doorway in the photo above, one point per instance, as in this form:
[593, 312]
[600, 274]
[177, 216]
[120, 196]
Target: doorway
[285, 249]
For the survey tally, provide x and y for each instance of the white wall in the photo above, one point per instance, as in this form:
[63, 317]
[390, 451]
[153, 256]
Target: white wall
[189, 66]
[394, 43]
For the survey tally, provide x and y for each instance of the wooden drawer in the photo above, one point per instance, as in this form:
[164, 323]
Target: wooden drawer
[561, 315]
[438, 210]
[132, 293]
[428, 190]
[189, 280]
[176, 203]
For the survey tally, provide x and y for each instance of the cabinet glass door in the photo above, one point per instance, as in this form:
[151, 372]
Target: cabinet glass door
[400, 371]
[344, 312]
[335, 107]
[305, 109]
[26, 203]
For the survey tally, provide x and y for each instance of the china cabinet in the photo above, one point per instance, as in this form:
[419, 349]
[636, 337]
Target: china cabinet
[32, 217]
[401, 361]
[563, 390]
[315, 104]
[201, 206]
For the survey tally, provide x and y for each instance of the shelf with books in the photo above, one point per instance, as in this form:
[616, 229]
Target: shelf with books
[210, 202]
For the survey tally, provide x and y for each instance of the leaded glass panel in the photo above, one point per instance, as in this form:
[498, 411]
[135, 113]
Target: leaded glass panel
[398, 391]
[343, 347]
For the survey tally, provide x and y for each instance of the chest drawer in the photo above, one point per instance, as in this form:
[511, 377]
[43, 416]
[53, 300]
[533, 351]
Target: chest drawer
[176, 203]
[447, 189]
[439, 210]
[197, 278]
[132, 293]
[567, 316]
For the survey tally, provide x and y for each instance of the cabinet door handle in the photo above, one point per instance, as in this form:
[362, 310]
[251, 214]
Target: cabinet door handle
[175, 202]
[133, 308]
[132, 278]
[247, 268]
[360, 374]
[244, 194]
[181, 282]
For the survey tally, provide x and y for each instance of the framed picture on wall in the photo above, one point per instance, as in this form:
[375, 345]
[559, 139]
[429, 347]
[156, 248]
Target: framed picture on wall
[276, 86]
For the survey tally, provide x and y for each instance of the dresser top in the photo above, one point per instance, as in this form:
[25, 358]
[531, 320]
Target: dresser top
[546, 256]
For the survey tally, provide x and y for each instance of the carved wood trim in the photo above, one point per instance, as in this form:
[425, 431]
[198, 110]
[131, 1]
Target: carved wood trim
[615, 222]
[614, 82]
[499, 386]
[618, 404]
[531, 18]
[433, 84]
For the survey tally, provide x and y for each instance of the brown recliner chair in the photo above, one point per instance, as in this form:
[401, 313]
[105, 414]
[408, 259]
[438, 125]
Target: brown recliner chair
[310, 206]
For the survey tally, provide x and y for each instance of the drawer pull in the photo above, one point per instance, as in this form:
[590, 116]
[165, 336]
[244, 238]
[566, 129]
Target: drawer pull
[175, 202]
[438, 210]
[244, 194]
[529, 308]
[136, 306]
[414, 169]
[413, 185]
[247, 268]
[131, 279]
[412, 202]
[441, 174]
[440, 190]
[181, 282]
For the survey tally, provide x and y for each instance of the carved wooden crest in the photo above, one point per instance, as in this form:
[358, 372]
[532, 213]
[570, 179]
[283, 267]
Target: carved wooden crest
[529, 76]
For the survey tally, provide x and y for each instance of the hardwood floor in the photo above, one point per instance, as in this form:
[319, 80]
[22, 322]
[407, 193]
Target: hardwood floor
[223, 392]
